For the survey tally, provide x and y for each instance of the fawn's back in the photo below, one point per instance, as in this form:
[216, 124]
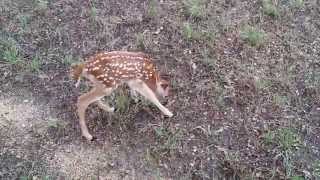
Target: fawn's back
[113, 68]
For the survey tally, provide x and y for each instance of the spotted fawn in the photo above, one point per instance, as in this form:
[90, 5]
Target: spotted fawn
[107, 70]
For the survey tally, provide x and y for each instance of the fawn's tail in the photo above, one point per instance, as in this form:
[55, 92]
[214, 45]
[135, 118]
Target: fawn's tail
[76, 71]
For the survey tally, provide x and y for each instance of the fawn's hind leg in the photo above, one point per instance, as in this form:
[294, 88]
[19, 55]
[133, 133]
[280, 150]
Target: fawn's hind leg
[84, 101]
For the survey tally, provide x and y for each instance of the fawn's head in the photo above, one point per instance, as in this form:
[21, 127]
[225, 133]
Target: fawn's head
[76, 70]
[162, 86]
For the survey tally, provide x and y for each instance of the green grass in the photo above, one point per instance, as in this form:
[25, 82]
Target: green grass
[207, 58]
[11, 55]
[68, 60]
[151, 9]
[287, 141]
[35, 64]
[194, 8]
[188, 31]
[252, 35]
[23, 20]
[140, 41]
[168, 139]
[93, 12]
[316, 169]
[122, 101]
[279, 100]
[263, 83]
[9, 51]
[297, 3]
[41, 4]
[269, 8]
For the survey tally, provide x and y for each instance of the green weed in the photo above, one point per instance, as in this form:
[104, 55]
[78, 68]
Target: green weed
[262, 83]
[279, 100]
[23, 20]
[68, 60]
[269, 8]
[296, 178]
[93, 12]
[151, 9]
[297, 3]
[169, 139]
[195, 8]
[288, 140]
[11, 53]
[41, 4]
[35, 64]
[122, 101]
[316, 169]
[252, 36]
[140, 40]
[269, 137]
[188, 31]
[207, 58]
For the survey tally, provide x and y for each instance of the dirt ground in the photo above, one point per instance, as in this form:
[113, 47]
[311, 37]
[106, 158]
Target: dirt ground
[246, 103]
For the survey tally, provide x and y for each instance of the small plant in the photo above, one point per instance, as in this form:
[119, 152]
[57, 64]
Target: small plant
[279, 100]
[151, 9]
[169, 139]
[122, 101]
[42, 4]
[288, 140]
[296, 3]
[262, 83]
[252, 36]
[140, 41]
[269, 137]
[23, 20]
[68, 59]
[11, 52]
[93, 12]
[188, 31]
[207, 58]
[11, 55]
[270, 9]
[316, 169]
[194, 8]
[34, 65]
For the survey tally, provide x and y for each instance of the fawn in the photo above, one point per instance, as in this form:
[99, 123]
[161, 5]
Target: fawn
[107, 70]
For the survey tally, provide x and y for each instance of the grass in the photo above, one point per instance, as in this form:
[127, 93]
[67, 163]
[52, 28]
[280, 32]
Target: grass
[195, 8]
[11, 55]
[23, 20]
[35, 64]
[279, 100]
[207, 58]
[41, 4]
[68, 60]
[140, 41]
[122, 100]
[297, 3]
[316, 169]
[151, 9]
[188, 31]
[252, 35]
[269, 8]
[287, 142]
[168, 138]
